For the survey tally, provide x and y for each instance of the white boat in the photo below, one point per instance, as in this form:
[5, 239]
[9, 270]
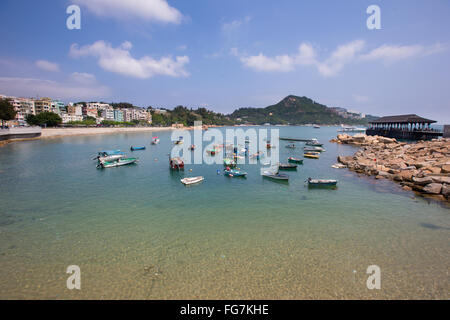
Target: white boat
[193, 180]
[351, 129]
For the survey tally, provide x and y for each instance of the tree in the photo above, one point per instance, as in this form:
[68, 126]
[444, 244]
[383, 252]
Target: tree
[48, 119]
[7, 111]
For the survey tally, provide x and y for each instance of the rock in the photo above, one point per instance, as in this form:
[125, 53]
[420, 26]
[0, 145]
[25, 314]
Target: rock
[422, 181]
[446, 190]
[407, 188]
[433, 188]
[445, 168]
[345, 159]
[440, 179]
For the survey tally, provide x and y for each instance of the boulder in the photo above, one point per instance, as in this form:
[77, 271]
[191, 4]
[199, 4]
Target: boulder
[440, 179]
[422, 181]
[445, 168]
[446, 190]
[433, 188]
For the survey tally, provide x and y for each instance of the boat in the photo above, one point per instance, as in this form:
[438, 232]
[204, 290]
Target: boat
[313, 149]
[155, 140]
[351, 129]
[257, 155]
[314, 143]
[137, 148]
[110, 155]
[275, 175]
[322, 182]
[229, 162]
[211, 152]
[295, 160]
[176, 163]
[117, 163]
[287, 166]
[312, 155]
[339, 166]
[268, 145]
[316, 126]
[193, 180]
[234, 173]
[290, 146]
[295, 139]
[179, 141]
[192, 147]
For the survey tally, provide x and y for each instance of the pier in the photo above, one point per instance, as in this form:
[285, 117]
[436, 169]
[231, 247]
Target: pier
[405, 127]
[20, 133]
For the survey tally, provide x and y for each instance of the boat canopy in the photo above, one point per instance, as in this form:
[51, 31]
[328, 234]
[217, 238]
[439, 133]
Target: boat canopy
[111, 152]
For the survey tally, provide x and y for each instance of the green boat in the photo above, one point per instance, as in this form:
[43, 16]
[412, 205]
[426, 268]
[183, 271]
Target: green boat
[295, 160]
[229, 162]
[117, 163]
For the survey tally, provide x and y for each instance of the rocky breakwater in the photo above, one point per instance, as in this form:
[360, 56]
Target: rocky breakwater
[423, 166]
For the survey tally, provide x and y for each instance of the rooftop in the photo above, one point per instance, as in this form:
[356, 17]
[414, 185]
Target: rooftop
[406, 118]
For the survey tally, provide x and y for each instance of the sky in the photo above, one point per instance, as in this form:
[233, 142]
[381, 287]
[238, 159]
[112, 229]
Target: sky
[224, 55]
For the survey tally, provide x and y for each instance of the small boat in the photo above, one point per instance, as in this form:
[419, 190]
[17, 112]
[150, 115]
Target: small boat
[295, 160]
[322, 182]
[179, 142]
[117, 163]
[193, 180]
[234, 173]
[287, 166]
[339, 166]
[314, 143]
[312, 155]
[155, 140]
[275, 175]
[192, 147]
[313, 149]
[290, 146]
[229, 162]
[316, 126]
[211, 152]
[268, 145]
[111, 155]
[176, 163]
[137, 148]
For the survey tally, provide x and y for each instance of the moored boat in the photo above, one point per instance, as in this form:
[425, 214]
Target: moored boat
[229, 162]
[137, 148]
[110, 155]
[290, 146]
[313, 149]
[314, 143]
[275, 176]
[295, 160]
[155, 140]
[312, 155]
[234, 173]
[287, 166]
[192, 147]
[322, 182]
[193, 180]
[176, 163]
[117, 163]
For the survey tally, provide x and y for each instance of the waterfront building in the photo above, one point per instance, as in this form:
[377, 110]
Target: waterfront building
[43, 105]
[108, 114]
[408, 126]
[118, 115]
[76, 110]
[58, 106]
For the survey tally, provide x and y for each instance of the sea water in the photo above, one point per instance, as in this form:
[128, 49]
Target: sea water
[136, 232]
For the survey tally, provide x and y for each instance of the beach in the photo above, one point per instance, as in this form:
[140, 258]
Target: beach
[64, 132]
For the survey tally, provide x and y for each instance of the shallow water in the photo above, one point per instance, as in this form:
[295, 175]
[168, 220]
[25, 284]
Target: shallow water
[137, 233]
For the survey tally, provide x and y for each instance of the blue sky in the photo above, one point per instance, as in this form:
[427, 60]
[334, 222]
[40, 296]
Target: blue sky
[230, 54]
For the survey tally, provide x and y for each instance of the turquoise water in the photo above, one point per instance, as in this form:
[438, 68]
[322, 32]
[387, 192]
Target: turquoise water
[137, 233]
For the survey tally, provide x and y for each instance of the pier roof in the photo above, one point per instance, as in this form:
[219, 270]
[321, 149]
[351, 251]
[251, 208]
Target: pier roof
[406, 118]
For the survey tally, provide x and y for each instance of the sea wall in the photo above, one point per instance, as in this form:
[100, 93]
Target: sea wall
[20, 133]
[423, 166]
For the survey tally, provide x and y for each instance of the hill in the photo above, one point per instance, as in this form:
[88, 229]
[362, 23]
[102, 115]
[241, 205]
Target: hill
[296, 110]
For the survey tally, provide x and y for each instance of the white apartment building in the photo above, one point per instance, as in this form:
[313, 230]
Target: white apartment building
[108, 114]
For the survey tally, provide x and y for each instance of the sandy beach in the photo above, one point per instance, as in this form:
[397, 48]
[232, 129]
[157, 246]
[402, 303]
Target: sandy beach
[64, 132]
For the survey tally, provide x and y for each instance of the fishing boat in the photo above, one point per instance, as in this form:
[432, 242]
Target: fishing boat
[117, 163]
[234, 173]
[295, 160]
[109, 155]
[322, 182]
[312, 155]
[193, 180]
[137, 148]
[229, 162]
[287, 166]
[176, 163]
[313, 149]
[314, 143]
[275, 175]
[290, 146]
[155, 140]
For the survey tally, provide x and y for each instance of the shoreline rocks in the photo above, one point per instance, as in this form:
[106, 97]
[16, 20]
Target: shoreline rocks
[423, 166]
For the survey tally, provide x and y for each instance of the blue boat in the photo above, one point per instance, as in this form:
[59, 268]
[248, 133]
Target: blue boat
[137, 148]
[234, 173]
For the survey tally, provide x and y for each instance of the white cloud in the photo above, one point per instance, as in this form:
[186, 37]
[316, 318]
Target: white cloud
[119, 60]
[392, 53]
[338, 59]
[234, 25]
[149, 10]
[28, 87]
[83, 78]
[47, 66]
